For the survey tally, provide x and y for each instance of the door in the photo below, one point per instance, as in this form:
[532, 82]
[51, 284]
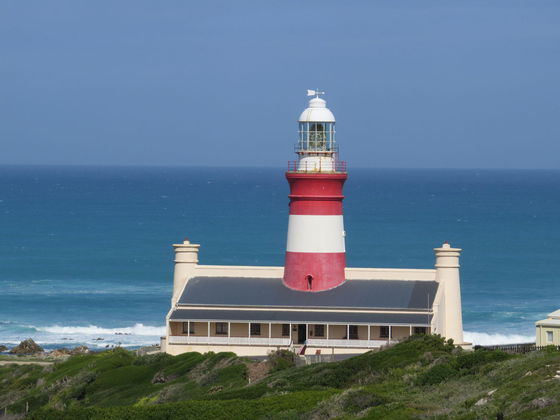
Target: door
[301, 333]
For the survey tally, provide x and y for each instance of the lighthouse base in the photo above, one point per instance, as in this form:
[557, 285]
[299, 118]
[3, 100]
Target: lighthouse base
[314, 272]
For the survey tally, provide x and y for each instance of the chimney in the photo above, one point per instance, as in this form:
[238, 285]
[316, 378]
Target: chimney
[186, 260]
[447, 275]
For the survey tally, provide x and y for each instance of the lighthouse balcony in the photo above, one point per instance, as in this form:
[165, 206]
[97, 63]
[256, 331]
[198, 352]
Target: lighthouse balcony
[319, 165]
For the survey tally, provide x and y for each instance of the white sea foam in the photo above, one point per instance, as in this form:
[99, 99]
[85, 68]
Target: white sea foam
[91, 335]
[137, 329]
[485, 339]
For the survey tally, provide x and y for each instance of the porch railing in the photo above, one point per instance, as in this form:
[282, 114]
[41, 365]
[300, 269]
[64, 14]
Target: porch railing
[235, 341]
[317, 342]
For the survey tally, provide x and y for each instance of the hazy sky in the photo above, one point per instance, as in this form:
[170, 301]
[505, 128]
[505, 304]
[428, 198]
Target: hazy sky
[454, 84]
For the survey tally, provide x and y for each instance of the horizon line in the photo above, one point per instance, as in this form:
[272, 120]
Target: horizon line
[175, 166]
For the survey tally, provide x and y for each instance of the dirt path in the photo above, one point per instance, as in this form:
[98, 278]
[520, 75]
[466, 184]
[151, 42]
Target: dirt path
[17, 362]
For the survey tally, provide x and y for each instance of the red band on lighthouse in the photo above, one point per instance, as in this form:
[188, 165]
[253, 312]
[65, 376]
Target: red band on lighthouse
[315, 252]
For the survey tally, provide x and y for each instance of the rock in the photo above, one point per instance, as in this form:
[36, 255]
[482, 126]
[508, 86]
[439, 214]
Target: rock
[428, 357]
[482, 401]
[3, 348]
[27, 347]
[529, 373]
[62, 352]
[491, 392]
[159, 378]
[541, 402]
[80, 350]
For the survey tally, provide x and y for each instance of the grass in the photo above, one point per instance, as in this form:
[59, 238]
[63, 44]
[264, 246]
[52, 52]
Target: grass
[421, 377]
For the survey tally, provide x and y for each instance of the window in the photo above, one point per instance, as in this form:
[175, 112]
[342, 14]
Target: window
[221, 328]
[419, 330]
[317, 138]
[285, 330]
[319, 330]
[549, 336]
[255, 329]
[188, 327]
[353, 330]
[383, 332]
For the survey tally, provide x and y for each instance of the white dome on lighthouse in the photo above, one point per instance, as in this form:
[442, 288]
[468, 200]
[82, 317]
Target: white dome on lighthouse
[317, 111]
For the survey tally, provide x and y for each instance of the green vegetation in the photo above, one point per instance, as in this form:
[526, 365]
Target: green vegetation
[422, 377]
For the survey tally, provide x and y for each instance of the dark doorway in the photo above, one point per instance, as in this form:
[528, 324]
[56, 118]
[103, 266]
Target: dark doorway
[353, 330]
[301, 333]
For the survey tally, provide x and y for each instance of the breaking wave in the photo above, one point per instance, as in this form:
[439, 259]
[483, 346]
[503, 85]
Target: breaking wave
[486, 339]
[137, 329]
[91, 335]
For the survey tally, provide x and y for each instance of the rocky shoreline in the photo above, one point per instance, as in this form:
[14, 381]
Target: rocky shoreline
[29, 347]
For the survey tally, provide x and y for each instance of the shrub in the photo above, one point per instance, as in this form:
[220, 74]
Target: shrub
[472, 360]
[281, 359]
[437, 374]
[358, 400]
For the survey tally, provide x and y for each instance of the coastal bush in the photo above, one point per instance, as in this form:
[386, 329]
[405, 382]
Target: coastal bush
[183, 363]
[370, 364]
[233, 375]
[475, 359]
[246, 393]
[281, 359]
[157, 359]
[271, 407]
[423, 377]
[359, 399]
[551, 348]
[437, 374]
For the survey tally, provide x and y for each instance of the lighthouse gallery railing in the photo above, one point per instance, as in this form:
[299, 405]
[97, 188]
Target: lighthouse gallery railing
[336, 166]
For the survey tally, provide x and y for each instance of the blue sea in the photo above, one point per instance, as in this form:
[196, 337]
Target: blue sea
[85, 252]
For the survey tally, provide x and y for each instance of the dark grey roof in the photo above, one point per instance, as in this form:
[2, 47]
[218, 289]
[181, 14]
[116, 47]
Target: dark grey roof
[299, 317]
[250, 291]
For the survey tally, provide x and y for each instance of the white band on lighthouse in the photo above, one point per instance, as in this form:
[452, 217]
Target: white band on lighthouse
[311, 233]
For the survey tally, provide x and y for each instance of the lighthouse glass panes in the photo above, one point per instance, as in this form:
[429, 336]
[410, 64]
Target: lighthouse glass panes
[316, 137]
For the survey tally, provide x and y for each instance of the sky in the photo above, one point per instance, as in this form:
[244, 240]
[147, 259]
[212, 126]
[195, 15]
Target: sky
[413, 84]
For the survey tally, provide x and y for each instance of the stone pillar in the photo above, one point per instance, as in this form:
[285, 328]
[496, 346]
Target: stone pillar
[186, 260]
[447, 275]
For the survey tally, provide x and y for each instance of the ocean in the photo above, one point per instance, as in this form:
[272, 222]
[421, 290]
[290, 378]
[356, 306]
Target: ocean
[86, 256]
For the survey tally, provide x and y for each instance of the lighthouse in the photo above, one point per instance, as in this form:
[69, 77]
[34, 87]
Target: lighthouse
[314, 302]
[315, 250]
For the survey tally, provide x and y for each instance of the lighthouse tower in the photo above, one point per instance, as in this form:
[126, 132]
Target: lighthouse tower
[315, 252]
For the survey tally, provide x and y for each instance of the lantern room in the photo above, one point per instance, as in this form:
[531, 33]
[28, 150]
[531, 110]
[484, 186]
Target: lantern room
[316, 147]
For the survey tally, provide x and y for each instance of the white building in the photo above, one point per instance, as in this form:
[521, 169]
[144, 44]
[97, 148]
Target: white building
[315, 300]
[548, 330]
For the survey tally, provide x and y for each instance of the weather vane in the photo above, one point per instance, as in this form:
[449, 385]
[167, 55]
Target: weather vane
[316, 92]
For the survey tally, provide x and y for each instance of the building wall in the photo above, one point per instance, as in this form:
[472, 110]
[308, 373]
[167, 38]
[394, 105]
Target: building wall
[376, 333]
[542, 335]
[351, 273]
[399, 333]
[176, 349]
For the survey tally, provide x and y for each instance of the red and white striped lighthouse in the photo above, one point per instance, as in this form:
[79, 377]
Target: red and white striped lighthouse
[315, 252]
